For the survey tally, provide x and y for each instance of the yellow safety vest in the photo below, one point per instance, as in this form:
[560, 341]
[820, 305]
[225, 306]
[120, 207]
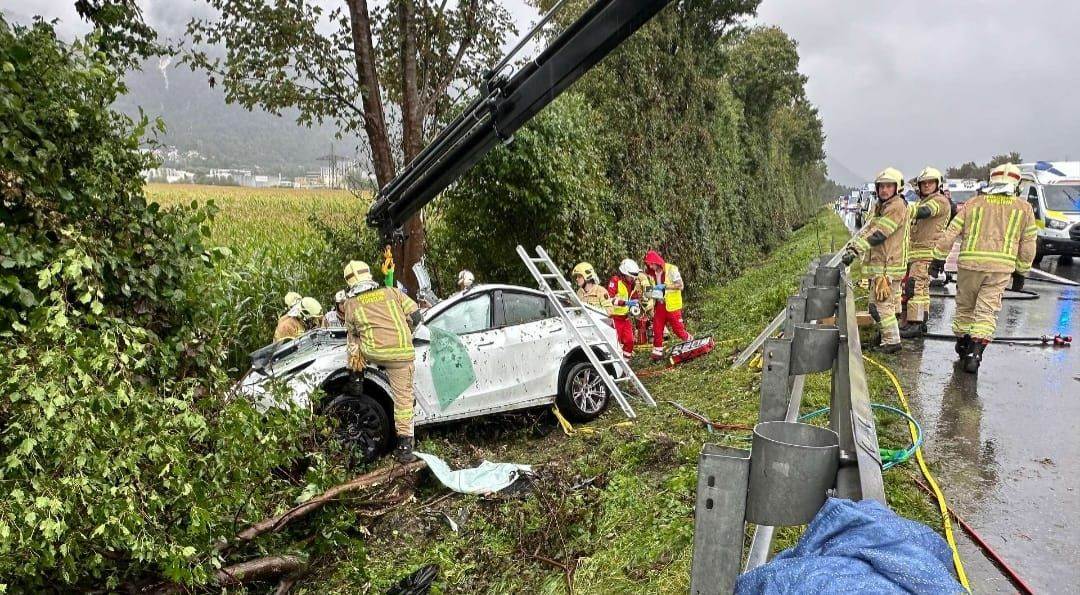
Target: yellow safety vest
[672, 297]
[622, 294]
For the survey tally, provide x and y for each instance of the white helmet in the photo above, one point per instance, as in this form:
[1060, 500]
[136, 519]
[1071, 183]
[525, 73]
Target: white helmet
[629, 268]
[465, 279]
[340, 296]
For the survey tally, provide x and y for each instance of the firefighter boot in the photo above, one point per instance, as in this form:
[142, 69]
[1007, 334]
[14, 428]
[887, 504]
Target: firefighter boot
[913, 330]
[974, 359]
[889, 348]
[404, 451]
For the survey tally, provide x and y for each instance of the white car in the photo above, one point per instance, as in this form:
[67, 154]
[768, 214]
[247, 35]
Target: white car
[491, 349]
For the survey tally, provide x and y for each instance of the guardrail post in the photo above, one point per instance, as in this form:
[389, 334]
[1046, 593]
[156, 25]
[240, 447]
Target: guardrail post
[719, 519]
[775, 386]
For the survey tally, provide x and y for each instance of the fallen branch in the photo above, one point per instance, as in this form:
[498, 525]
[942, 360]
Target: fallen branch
[237, 574]
[275, 523]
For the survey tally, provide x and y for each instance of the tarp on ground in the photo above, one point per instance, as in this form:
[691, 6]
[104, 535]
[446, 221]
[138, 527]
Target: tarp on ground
[488, 478]
[858, 547]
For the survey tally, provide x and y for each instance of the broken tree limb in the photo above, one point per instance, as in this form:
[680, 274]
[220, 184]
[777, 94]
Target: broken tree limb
[259, 568]
[275, 523]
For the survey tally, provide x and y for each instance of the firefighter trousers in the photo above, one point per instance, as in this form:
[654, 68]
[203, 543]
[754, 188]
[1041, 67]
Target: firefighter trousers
[887, 310]
[400, 375]
[918, 306]
[662, 318]
[978, 301]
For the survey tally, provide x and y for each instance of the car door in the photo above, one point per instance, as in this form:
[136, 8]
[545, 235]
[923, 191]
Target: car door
[467, 324]
[536, 342]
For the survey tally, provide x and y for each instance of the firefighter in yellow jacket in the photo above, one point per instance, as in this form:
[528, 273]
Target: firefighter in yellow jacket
[883, 245]
[929, 216]
[379, 322]
[303, 314]
[589, 290]
[998, 243]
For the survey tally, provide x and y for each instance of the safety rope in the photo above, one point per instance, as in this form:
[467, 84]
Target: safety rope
[942, 506]
[569, 429]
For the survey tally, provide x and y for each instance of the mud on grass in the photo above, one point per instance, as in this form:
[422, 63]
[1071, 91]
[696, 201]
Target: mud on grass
[609, 511]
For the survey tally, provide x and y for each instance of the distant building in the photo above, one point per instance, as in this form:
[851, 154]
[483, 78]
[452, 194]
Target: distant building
[168, 175]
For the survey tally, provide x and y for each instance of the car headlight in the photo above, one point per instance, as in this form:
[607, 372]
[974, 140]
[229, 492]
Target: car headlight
[1056, 223]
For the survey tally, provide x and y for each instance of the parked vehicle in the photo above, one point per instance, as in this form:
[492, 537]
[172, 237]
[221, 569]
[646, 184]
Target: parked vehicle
[490, 349]
[1053, 190]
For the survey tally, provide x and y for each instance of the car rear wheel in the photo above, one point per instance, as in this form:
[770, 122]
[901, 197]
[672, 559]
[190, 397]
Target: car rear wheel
[583, 395]
[362, 425]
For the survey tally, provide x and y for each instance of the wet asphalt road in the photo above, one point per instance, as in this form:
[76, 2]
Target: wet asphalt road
[1006, 443]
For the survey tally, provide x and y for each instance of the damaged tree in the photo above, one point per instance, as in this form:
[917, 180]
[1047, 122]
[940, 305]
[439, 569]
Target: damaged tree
[391, 71]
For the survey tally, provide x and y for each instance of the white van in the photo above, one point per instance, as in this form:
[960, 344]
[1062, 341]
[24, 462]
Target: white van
[1053, 190]
[962, 190]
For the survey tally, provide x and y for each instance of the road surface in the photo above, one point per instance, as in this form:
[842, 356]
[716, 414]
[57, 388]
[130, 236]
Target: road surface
[1005, 444]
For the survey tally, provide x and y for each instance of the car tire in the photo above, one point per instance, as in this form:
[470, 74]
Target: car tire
[363, 426]
[582, 395]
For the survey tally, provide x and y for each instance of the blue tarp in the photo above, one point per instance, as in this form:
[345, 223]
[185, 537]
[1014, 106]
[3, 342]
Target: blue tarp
[858, 547]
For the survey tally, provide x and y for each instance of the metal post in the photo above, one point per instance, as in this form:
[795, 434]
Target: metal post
[774, 380]
[723, 474]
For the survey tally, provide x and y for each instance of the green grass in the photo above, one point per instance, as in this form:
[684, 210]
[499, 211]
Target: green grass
[631, 529]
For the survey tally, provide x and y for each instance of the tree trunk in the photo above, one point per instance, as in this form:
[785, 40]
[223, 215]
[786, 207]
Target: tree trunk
[412, 249]
[374, 118]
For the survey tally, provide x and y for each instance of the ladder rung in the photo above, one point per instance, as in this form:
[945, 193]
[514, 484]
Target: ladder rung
[609, 361]
[538, 259]
[550, 275]
[560, 292]
[622, 378]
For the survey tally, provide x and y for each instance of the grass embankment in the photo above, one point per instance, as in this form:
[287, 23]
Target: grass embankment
[612, 510]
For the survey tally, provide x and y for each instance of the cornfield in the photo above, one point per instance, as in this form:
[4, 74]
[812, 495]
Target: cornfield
[276, 248]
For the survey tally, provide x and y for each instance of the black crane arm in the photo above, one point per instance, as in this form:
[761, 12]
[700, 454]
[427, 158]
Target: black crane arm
[506, 103]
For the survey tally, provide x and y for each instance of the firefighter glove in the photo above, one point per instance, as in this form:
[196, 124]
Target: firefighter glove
[1017, 281]
[848, 257]
[659, 286]
[633, 303]
[937, 266]
[882, 289]
[877, 238]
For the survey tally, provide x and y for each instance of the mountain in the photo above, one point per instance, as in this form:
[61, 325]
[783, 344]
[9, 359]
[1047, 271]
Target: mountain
[842, 174]
[198, 118]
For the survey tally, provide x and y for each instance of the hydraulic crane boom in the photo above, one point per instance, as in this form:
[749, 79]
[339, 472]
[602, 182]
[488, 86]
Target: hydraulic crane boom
[506, 103]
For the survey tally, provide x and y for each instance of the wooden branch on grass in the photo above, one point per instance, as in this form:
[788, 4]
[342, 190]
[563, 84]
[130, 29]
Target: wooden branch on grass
[275, 523]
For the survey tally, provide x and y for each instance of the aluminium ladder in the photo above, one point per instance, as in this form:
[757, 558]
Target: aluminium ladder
[599, 339]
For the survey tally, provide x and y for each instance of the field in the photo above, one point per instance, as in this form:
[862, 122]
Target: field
[612, 508]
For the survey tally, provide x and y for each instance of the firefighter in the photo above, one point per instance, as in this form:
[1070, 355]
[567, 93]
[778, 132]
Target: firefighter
[883, 244]
[589, 290]
[667, 283]
[380, 322]
[929, 216]
[334, 317]
[621, 291]
[303, 315]
[999, 239]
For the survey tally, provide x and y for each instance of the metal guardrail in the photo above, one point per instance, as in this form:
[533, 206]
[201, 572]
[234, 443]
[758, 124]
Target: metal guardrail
[791, 467]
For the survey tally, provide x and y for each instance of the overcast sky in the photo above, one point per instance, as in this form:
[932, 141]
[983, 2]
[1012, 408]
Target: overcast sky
[897, 83]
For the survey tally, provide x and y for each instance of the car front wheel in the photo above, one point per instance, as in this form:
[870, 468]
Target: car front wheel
[583, 395]
[362, 425]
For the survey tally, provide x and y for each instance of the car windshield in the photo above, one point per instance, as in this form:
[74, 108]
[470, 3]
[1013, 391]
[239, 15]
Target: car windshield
[1062, 197]
[962, 196]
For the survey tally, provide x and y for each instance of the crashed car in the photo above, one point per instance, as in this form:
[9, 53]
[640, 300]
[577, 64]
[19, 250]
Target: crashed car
[490, 349]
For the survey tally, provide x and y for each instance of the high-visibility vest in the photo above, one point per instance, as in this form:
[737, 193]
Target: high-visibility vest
[672, 297]
[379, 320]
[622, 295]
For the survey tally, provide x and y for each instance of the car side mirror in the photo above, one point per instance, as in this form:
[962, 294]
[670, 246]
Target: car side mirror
[421, 335]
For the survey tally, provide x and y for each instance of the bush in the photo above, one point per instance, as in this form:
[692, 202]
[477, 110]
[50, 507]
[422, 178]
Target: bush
[123, 461]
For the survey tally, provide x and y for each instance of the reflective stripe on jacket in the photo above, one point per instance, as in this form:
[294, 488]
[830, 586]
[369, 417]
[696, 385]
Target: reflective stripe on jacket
[926, 232]
[999, 235]
[379, 321]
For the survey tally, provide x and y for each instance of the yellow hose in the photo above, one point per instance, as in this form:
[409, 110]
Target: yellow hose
[942, 506]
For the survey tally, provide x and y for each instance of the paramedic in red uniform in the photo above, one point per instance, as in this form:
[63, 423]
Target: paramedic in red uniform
[621, 290]
[666, 278]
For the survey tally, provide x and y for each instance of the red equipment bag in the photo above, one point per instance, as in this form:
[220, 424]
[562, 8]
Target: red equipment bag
[692, 349]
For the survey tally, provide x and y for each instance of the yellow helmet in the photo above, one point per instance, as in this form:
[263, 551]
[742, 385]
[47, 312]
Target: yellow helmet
[890, 175]
[357, 272]
[585, 270]
[291, 298]
[929, 173]
[310, 308]
[1004, 179]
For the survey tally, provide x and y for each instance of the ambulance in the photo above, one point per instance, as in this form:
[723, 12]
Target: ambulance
[962, 190]
[1053, 190]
